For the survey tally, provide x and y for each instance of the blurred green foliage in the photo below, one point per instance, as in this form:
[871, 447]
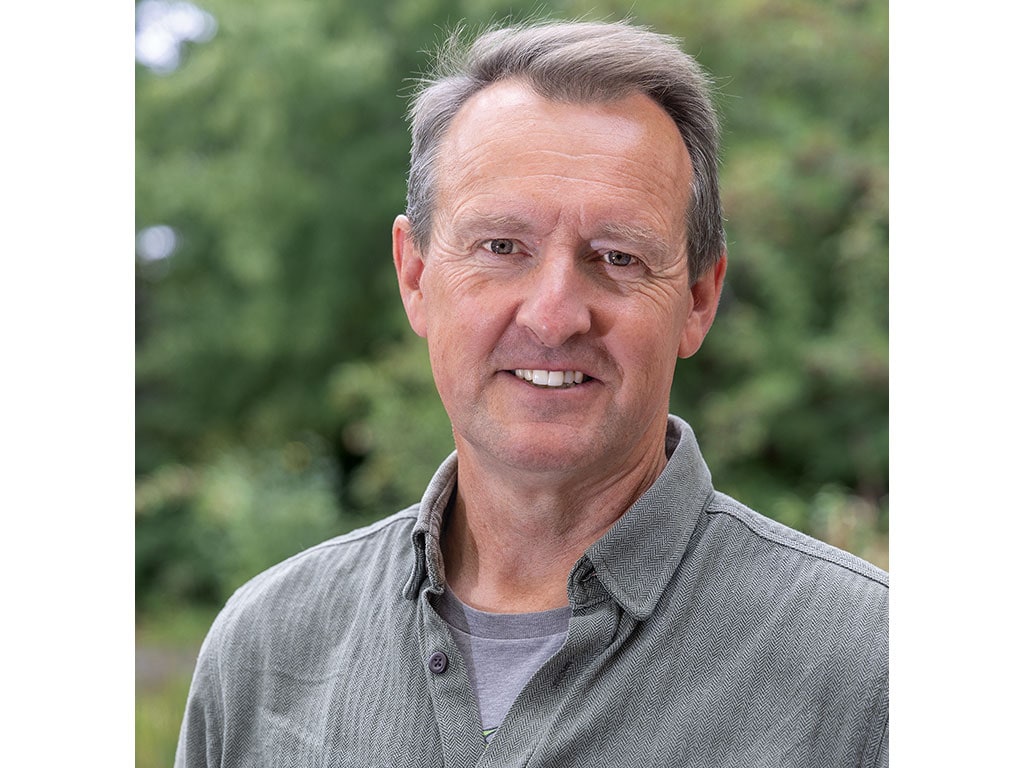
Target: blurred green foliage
[203, 531]
[281, 398]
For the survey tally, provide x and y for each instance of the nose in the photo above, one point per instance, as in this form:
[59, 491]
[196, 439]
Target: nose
[555, 306]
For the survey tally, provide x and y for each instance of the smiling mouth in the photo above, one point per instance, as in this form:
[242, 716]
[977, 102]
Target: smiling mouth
[551, 379]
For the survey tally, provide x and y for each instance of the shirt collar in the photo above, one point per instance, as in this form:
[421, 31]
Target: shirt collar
[426, 534]
[633, 561]
[636, 558]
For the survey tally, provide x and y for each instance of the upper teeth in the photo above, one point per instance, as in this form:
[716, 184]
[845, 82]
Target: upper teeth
[550, 378]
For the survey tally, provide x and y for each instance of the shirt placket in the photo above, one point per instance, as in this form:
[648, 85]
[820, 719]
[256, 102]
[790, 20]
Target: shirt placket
[451, 695]
[534, 718]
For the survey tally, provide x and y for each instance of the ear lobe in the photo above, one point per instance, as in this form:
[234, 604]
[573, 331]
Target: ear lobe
[704, 294]
[409, 268]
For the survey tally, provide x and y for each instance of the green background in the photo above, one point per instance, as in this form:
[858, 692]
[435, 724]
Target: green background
[281, 398]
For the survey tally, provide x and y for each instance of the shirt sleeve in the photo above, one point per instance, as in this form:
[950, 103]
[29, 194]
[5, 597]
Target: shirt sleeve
[882, 759]
[878, 756]
[201, 739]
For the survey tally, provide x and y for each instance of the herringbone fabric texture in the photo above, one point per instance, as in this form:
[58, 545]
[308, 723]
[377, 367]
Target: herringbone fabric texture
[702, 634]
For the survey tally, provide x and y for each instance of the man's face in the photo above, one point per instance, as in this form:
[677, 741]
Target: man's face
[558, 254]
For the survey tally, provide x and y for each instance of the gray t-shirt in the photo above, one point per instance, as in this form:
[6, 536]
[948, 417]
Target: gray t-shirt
[502, 651]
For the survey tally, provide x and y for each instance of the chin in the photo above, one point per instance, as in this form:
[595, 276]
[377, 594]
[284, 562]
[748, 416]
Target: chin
[538, 449]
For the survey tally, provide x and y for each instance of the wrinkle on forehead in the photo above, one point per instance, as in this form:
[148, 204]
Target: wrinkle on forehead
[519, 162]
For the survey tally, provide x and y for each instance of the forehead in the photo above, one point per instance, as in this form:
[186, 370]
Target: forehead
[512, 152]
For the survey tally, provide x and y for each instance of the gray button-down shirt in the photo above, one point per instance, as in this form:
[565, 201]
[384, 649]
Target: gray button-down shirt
[702, 634]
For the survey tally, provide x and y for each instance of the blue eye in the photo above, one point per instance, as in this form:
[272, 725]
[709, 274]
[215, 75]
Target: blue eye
[501, 246]
[617, 258]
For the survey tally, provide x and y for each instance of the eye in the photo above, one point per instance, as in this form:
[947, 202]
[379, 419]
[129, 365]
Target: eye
[501, 245]
[617, 258]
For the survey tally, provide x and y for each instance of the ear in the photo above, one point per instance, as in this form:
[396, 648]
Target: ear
[409, 267]
[704, 295]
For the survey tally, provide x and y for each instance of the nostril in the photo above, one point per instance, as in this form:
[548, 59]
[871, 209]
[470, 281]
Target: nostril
[553, 326]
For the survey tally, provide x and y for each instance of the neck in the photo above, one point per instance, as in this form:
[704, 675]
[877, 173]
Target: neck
[510, 541]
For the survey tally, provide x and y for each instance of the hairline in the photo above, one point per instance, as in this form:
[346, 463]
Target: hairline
[684, 95]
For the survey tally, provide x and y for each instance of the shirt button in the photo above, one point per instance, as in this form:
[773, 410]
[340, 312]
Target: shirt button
[438, 662]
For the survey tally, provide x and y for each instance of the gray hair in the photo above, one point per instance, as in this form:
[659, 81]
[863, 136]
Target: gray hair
[576, 62]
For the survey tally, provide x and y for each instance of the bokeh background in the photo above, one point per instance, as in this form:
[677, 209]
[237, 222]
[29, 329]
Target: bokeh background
[281, 398]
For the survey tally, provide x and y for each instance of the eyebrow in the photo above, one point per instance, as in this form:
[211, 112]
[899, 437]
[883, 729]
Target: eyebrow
[496, 223]
[649, 241]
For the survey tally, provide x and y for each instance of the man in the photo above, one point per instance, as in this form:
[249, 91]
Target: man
[571, 591]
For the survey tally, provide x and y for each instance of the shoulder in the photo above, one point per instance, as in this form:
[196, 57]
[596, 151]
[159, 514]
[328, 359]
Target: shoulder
[321, 583]
[351, 554]
[792, 624]
[291, 630]
[801, 549]
[760, 562]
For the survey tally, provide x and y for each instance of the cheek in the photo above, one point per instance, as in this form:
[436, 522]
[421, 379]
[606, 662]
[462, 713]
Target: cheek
[460, 321]
[462, 330]
[470, 306]
[646, 343]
